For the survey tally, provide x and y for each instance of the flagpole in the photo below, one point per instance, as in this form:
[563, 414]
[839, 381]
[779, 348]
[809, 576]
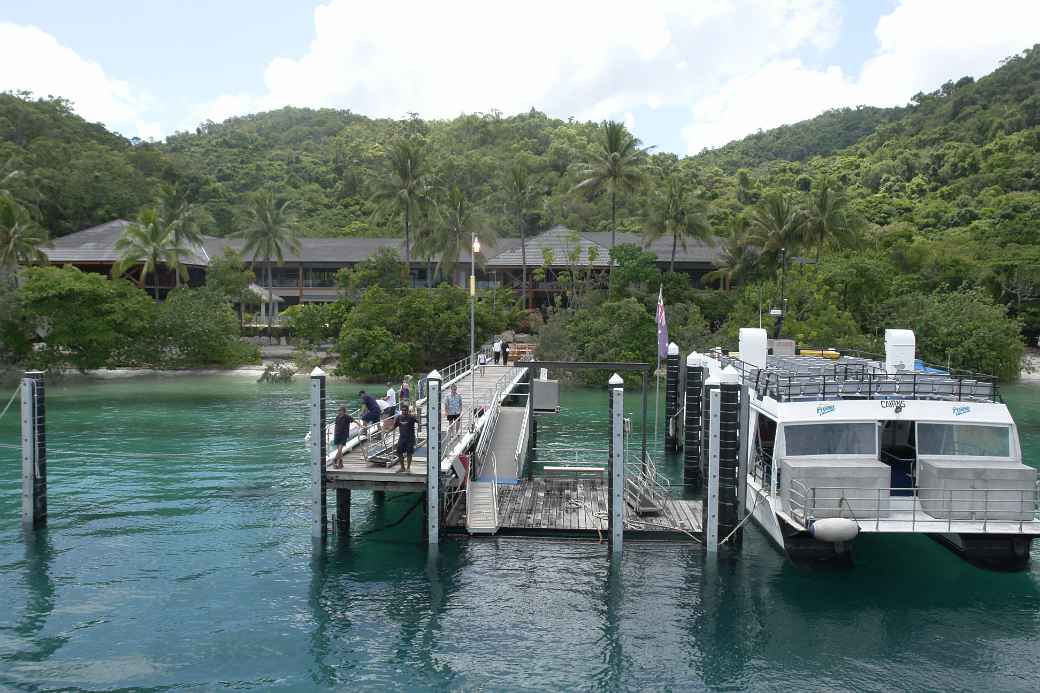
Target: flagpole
[659, 319]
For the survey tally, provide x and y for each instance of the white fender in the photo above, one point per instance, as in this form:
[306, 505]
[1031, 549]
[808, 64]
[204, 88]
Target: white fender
[834, 529]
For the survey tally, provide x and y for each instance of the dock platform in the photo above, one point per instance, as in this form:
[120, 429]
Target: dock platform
[578, 507]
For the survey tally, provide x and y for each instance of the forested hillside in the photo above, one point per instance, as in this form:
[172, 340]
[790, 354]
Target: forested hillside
[943, 194]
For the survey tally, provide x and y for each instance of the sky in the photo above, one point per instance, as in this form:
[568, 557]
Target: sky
[682, 74]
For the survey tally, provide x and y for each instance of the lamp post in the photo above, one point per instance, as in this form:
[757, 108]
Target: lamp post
[475, 248]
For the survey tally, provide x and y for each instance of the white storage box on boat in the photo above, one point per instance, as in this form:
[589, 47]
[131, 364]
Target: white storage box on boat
[857, 480]
[977, 489]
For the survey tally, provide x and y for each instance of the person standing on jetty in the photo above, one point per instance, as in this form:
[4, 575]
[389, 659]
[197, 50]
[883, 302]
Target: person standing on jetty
[453, 407]
[372, 412]
[406, 393]
[409, 428]
[496, 349]
[505, 352]
[341, 434]
[481, 362]
[391, 397]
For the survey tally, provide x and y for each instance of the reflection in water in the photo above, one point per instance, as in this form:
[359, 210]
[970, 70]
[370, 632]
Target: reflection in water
[40, 592]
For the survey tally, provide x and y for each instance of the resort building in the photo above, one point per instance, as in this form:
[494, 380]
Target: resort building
[310, 275]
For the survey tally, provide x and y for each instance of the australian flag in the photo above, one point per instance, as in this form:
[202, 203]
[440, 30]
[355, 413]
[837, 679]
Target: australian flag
[662, 327]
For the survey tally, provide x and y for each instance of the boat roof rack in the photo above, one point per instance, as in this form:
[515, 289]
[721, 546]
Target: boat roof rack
[857, 375]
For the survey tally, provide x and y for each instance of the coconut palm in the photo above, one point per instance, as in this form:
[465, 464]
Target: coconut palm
[183, 219]
[269, 233]
[20, 237]
[406, 191]
[777, 222]
[519, 198]
[828, 215]
[679, 214]
[148, 242]
[737, 257]
[458, 224]
[616, 167]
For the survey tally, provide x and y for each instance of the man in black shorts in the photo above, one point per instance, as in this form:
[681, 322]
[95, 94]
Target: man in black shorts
[409, 426]
[341, 434]
[372, 413]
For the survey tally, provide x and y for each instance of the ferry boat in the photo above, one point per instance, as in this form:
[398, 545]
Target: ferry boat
[842, 444]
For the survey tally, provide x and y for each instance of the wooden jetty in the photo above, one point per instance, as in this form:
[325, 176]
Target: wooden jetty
[483, 483]
[578, 507]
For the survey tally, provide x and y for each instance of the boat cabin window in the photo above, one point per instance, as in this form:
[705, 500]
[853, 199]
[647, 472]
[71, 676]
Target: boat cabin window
[971, 440]
[859, 438]
[765, 437]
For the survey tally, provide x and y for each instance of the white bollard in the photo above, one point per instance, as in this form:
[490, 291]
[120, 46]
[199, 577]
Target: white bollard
[617, 463]
[34, 451]
[318, 524]
[711, 531]
[433, 457]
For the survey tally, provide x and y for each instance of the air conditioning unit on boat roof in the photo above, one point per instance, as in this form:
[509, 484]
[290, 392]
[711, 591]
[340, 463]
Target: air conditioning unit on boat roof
[900, 346]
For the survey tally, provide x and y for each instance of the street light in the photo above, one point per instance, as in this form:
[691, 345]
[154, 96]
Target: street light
[475, 247]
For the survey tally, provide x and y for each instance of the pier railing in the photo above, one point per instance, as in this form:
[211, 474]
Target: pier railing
[1008, 511]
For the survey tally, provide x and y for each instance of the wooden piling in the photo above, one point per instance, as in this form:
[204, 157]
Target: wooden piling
[343, 512]
[692, 426]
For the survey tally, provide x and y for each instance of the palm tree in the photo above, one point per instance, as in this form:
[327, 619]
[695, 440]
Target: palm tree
[677, 214]
[737, 258]
[149, 242]
[615, 167]
[406, 191]
[20, 237]
[183, 219]
[519, 197]
[828, 215]
[777, 222]
[460, 222]
[269, 232]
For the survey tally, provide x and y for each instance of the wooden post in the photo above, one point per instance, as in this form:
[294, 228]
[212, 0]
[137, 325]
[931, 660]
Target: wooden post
[742, 462]
[693, 429]
[433, 457]
[671, 399]
[343, 511]
[34, 451]
[318, 513]
[616, 497]
[711, 504]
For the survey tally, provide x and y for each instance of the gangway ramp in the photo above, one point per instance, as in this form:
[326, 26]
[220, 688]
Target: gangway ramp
[482, 507]
[505, 440]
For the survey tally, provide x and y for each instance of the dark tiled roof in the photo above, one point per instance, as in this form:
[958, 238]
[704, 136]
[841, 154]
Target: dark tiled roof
[697, 251]
[561, 241]
[98, 244]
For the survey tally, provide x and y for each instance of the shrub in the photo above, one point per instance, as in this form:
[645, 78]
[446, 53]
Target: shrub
[196, 327]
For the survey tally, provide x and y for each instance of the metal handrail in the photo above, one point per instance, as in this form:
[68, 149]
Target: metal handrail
[521, 444]
[805, 503]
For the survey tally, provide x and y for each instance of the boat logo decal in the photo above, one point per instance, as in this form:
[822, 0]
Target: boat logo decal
[957, 411]
[824, 409]
[896, 404]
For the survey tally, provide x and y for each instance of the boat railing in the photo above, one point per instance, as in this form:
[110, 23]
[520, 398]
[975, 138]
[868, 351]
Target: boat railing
[915, 508]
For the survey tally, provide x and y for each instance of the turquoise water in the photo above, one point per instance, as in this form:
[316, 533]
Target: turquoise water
[178, 556]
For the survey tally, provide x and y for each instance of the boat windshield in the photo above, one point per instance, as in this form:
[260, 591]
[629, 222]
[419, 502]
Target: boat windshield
[970, 440]
[858, 438]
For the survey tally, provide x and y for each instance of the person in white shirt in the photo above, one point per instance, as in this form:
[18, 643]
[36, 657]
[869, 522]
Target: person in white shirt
[481, 362]
[497, 349]
[391, 395]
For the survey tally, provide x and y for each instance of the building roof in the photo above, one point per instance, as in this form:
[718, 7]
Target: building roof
[98, 244]
[697, 251]
[561, 242]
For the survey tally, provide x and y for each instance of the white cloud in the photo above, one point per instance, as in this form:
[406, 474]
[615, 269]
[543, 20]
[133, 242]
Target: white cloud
[35, 61]
[386, 59]
[922, 43]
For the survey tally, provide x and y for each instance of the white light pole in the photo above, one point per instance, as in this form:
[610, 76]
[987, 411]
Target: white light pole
[474, 248]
